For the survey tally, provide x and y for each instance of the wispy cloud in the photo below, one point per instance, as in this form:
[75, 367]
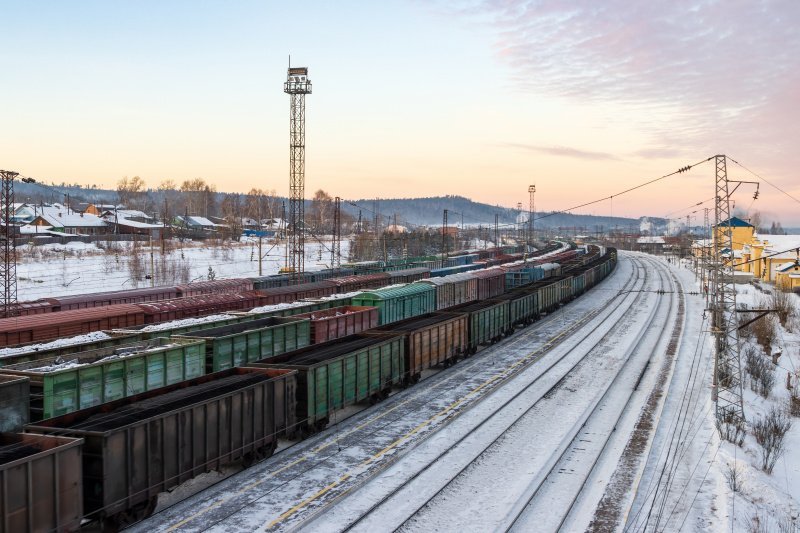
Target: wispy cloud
[564, 151]
[716, 75]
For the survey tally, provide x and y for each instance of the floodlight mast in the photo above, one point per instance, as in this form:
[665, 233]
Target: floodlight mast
[297, 85]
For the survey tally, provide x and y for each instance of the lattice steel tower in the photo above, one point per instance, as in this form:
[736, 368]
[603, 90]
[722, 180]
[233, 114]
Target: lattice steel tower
[8, 267]
[531, 206]
[727, 363]
[297, 85]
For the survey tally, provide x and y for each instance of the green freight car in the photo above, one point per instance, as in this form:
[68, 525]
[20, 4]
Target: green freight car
[48, 350]
[488, 321]
[398, 303]
[335, 374]
[523, 306]
[77, 381]
[238, 344]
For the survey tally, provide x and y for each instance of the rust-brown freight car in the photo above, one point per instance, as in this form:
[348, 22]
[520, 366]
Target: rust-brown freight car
[362, 282]
[21, 330]
[338, 322]
[430, 340]
[292, 293]
[40, 483]
[216, 286]
[193, 306]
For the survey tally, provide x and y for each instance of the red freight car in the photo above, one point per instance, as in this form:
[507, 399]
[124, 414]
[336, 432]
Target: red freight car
[34, 307]
[193, 306]
[339, 322]
[35, 328]
[217, 286]
[491, 282]
[102, 299]
[408, 275]
[292, 293]
[359, 283]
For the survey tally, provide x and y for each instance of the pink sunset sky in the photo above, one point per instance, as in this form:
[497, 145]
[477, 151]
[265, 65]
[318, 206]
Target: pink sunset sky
[413, 98]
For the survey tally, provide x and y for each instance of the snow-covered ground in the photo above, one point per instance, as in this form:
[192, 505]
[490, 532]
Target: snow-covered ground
[74, 268]
[685, 484]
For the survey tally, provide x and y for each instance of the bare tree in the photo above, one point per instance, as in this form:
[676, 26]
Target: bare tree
[132, 193]
[770, 432]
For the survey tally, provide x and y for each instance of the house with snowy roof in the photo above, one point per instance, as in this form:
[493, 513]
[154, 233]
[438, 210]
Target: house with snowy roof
[62, 220]
[132, 222]
[787, 276]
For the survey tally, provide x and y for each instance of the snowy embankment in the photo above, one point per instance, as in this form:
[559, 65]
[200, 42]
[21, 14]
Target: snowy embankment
[693, 479]
[59, 270]
[765, 502]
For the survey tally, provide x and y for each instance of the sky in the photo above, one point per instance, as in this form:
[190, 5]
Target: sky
[478, 98]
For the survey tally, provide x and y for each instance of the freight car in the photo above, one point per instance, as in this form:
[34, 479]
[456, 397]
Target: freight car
[217, 286]
[238, 344]
[337, 322]
[137, 447]
[335, 374]
[332, 375]
[408, 275]
[14, 403]
[37, 328]
[454, 289]
[195, 306]
[358, 283]
[292, 293]
[430, 340]
[40, 483]
[488, 322]
[102, 299]
[59, 386]
[398, 303]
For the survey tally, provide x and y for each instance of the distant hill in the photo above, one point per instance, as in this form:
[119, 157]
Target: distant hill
[428, 211]
[410, 211]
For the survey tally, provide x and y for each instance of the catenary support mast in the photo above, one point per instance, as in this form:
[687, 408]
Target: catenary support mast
[727, 363]
[8, 267]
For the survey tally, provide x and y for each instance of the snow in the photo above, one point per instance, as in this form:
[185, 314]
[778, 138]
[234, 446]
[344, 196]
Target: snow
[53, 270]
[79, 339]
[185, 322]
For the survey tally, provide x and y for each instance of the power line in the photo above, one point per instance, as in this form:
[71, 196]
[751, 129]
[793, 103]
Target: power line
[765, 181]
[611, 197]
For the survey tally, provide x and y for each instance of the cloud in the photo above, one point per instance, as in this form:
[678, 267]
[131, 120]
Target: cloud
[564, 151]
[694, 74]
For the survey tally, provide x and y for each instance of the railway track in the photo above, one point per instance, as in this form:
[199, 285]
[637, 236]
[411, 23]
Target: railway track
[427, 487]
[593, 445]
[309, 474]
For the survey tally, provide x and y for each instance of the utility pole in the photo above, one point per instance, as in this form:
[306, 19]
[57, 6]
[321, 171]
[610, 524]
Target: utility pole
[727, 386]
[336, 249]
[8, 267]
[444, 234]
[520, 227]
[496, 232]
[297, 85]
[531, 191]
[704, 255]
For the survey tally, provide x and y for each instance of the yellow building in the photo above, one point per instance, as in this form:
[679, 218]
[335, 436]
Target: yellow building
[741, 232]
[787, 276]
[767, 254]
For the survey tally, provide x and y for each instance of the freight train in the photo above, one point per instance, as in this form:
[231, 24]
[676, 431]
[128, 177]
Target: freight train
[53, 318]
[266, 378]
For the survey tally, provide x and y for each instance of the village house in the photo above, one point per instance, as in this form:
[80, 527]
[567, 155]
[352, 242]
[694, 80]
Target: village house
[69, 222]
[132, 222]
